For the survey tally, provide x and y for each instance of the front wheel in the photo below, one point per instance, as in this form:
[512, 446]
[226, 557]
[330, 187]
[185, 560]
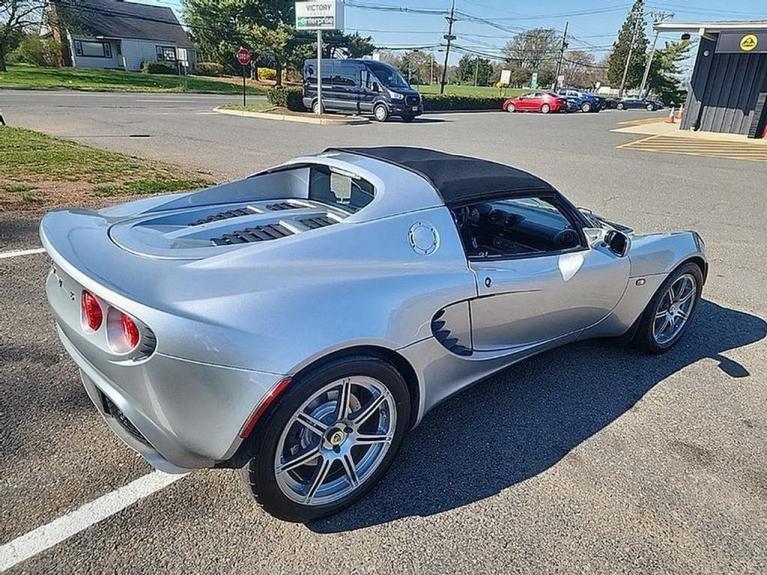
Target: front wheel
[667, 317]
[381, 113]
[329, 438]
[650, 108]
[545, 109]
[586, 107]
[511, 108]
[620, 106]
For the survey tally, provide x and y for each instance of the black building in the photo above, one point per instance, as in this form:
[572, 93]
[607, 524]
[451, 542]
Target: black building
[729, 82]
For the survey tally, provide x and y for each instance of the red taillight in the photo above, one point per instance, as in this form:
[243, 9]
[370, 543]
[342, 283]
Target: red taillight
[92, 314]
[130, 331]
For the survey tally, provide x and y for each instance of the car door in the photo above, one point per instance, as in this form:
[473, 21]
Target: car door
[533, 288]
[367, 93]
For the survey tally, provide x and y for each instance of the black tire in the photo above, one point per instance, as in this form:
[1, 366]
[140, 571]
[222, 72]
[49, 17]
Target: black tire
[644, 335]
[315, 106]
[259, 474]
[407, 118]
[545, 109]
[586, 107]
[620, 106]
[650, 108]
[381, 113]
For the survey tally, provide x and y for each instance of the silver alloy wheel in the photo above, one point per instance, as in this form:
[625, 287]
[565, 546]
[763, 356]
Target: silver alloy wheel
[511, 108]
[674, 309]
[335, 440]
[545, 109]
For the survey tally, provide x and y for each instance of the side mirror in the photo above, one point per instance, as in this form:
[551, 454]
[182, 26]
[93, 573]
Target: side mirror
[376, 87]
[618, 242]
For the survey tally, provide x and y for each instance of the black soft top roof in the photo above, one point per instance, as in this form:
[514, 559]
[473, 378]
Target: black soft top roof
[457, 179]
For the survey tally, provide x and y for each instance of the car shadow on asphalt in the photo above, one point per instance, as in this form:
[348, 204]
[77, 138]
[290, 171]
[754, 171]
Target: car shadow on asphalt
[527, 418]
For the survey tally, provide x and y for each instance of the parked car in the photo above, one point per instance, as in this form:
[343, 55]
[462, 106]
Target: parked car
[300, 321]
[633, 103]
[361, 87]
[543, 102]
[587, 102]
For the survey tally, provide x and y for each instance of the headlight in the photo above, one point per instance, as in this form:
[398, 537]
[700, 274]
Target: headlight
[396, 96]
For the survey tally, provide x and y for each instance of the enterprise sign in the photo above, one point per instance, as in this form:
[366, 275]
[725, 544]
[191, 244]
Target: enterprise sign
[320, 15]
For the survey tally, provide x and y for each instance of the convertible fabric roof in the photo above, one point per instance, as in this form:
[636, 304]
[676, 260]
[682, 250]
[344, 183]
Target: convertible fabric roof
[457, 179]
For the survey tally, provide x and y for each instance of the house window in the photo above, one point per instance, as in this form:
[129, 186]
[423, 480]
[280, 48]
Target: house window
[166, 53]
[89, 49]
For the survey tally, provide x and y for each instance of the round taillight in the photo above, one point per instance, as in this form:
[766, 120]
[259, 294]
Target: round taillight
[91, 311]
[130, 331]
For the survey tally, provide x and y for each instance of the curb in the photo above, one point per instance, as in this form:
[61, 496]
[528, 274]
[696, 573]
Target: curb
[341, 121]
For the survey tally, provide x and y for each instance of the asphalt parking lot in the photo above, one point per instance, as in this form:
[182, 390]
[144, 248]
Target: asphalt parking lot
[590, 458]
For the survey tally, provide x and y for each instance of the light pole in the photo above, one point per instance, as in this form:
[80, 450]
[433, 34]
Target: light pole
[659, 17]
[638, 18]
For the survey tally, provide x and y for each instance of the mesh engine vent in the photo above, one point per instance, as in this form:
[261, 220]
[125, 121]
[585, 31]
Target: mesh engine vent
[254, 234]
[280, 206]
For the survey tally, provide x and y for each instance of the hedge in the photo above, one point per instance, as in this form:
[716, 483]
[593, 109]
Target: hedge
[290, 98]
[158, 68]
[433, 103]
[209, 69]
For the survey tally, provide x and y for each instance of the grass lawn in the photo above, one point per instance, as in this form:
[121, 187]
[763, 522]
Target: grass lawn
[24, 76]
[252, 107]
[38, 171]
[479, 91]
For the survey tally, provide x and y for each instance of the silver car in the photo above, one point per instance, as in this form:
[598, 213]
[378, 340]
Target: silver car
[297, 323]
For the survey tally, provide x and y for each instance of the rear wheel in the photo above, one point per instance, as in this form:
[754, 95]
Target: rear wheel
[329, 438]
[510, 107]
[667, 317]
[381, 113]
[545, 109]
[586, 107]
[650, 108]
[620, 106]
[316, 107]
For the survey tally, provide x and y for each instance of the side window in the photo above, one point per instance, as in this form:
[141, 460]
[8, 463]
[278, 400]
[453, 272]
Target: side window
[515, 227]
[345, 75]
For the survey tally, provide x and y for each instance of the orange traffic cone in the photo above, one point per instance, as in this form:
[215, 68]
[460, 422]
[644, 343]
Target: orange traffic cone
[670, 119]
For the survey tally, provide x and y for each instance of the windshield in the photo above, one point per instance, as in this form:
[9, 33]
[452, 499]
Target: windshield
[388, 76]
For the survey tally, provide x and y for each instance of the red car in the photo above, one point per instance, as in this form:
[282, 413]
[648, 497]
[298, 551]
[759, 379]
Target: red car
[543, 102]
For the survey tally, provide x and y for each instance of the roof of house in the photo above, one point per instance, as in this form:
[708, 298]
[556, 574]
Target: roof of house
[118, 19]
[711, 26]
[457, 179]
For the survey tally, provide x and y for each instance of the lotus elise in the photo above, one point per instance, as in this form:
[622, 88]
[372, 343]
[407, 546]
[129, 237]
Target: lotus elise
[298, 322]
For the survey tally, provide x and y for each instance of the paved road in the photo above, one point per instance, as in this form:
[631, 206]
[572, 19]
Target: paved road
[589, 458]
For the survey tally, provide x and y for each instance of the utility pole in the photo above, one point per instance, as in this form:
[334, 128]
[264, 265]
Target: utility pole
[638, 17]
[561, 55]
[476, 72]
[449, 37]
[657, 18]
[431, 74]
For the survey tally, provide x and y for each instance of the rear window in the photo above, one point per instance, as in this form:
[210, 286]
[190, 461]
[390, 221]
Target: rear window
[339, 189]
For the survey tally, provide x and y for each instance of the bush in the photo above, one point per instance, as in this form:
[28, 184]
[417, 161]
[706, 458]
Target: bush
[37, 51]
[450, 102]
[267, 74]
[209, 69]
[158, 68]
[290, 98]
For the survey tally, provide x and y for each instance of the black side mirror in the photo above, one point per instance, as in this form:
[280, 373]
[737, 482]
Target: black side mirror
[618, 242]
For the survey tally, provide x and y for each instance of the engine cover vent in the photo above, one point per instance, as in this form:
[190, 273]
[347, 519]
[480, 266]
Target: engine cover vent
[254, 234]
[281, 206]
[223, 216]
[317, 222]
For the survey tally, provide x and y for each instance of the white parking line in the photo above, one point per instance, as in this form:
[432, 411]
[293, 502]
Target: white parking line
[17, 253]
[45, 537]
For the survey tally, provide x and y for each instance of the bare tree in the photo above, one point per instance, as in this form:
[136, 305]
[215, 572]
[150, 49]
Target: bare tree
[580, 69]
[17, 17]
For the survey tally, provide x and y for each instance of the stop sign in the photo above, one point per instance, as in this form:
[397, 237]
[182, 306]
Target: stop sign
[243, 56]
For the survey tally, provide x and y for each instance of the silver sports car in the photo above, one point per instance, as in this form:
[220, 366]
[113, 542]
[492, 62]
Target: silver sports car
[297, 323]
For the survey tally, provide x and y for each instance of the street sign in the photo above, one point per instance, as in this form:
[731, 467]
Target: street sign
[505, 77]
[320, 15]
[534, 81]
[243, 56]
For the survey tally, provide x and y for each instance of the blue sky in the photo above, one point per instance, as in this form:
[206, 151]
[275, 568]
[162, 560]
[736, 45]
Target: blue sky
[593, 23]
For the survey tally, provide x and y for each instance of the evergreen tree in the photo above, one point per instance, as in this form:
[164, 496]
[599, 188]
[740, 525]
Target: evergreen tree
[634, 26]
[665, 72]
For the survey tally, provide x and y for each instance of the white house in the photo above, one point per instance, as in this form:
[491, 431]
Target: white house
[121, 35]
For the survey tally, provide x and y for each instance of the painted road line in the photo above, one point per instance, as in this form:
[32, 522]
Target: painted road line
[58, 530]
[17, 253]
[734, 150]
